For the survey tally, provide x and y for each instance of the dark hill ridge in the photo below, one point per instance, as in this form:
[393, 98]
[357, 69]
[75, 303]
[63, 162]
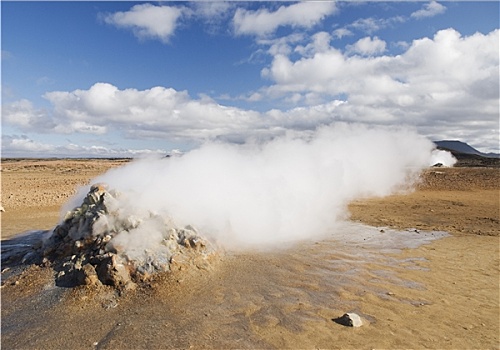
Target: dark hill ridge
[468, 156]
[462, 147]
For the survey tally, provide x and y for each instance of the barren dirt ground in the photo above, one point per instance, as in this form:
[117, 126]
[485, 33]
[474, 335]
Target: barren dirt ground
[440, 295]
[33, 191]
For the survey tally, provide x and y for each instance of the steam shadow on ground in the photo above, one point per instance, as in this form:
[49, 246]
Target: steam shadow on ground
[26, 249]
[21, 251]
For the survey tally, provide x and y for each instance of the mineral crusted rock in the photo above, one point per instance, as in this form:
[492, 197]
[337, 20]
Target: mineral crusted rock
[111, 271]
[88, 276]
[103, 241]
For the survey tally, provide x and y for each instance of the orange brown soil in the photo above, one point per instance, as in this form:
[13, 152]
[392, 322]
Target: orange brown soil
[33, 191]
[461, 201]
[440, 295]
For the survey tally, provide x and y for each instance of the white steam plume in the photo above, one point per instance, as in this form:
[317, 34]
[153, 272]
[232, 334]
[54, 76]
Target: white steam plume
[442, 157]
[288, 189]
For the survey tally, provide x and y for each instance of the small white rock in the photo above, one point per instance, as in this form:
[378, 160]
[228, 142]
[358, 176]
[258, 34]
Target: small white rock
[355, 319]
[349, 319]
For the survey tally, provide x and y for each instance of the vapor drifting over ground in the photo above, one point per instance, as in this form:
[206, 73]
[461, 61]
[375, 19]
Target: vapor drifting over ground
[292, 188]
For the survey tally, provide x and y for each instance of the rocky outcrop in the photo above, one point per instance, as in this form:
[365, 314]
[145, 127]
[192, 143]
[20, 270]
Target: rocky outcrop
[103, 242]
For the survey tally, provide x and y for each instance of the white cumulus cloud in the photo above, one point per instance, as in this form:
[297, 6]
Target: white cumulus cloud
[158, 113]
[263, 22]
[148, 21]
[23, 115]
[152, 112]
[442, 84]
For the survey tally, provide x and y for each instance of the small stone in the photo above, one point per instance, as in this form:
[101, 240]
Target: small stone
[349, 319]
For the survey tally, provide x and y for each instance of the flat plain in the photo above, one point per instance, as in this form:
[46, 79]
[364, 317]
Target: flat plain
[444, 294]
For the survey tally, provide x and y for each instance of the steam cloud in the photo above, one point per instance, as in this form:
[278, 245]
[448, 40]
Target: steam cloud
[253, 195]
[442, 157]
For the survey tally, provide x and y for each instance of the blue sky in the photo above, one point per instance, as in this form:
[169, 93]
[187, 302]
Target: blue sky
[128, 79]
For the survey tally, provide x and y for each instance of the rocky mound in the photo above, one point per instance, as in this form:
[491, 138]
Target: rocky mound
[101, 242]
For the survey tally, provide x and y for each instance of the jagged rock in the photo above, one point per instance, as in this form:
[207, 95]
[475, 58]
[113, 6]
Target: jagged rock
[349, 319]
[112, 272]
[88, 276]
[103, 242]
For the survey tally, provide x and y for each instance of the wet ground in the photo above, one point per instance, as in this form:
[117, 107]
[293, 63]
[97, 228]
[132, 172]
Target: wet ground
[251, 299]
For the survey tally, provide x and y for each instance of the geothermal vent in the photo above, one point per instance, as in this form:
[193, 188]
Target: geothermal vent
[102, 242]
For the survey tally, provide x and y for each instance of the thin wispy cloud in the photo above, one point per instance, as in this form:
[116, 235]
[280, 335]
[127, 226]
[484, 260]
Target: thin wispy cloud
[371, 25]
[281, 45]
[431, 9]
[6, 55]
[20, 145]
[341, 32]
[44, 81]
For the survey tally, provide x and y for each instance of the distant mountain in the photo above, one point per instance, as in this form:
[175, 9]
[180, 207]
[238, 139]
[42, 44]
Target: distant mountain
[459, 147]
